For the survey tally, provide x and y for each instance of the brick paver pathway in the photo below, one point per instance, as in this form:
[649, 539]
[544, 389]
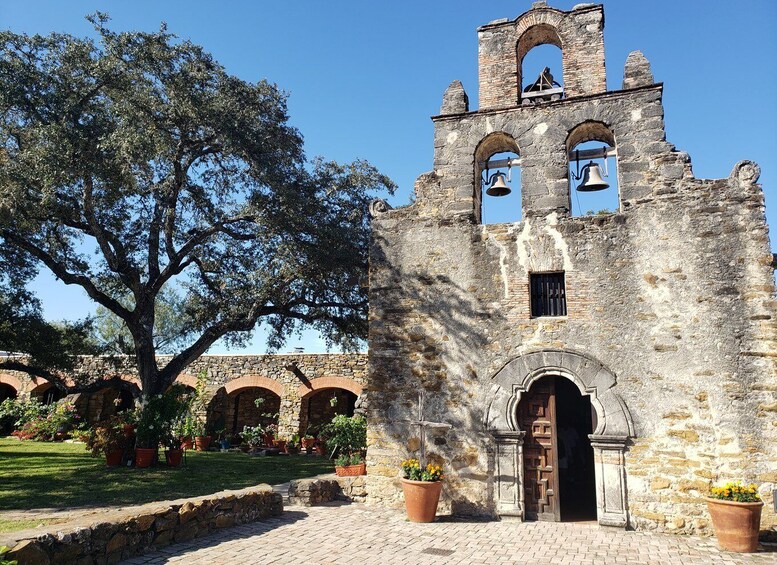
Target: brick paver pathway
[367, 535]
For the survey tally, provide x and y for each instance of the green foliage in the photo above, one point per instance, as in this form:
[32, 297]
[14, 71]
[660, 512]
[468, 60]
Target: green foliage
[412, 470]
[736, 492]
[20, 412]
[349, 435]
[159, 416]
[252, 435]
[349, 459]
[3, 561]
[171, 326]
[134, 163]
[107, 437]
[34, 420]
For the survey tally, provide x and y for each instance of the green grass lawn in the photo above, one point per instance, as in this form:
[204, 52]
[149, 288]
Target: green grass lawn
[55, 475]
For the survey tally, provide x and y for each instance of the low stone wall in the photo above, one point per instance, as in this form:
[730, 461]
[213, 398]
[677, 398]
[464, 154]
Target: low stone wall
[327, 488]
[129, 532]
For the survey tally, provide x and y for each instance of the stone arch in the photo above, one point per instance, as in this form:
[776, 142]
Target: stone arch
[614, 427]
[254, 381]
[187, 380]
[491, 144]
[321, 383]
[534, 36]
[11, 381]
[590, 130]
[590, 376]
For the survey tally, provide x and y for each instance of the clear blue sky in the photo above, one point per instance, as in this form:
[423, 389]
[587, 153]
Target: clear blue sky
[364, 77]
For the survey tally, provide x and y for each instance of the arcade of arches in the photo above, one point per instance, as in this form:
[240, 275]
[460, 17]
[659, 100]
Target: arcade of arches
[297, 392]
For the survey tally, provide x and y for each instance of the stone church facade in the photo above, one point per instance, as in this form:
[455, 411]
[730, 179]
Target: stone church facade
[659, 376]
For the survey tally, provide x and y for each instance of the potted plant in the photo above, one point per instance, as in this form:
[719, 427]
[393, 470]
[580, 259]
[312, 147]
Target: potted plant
[186, 432]
[348, 437]
[736, 516]
[307, 442]
[158, 418]
[147, 436]
[224, 442]
[421, 487]
[201, 440]
[252, 436]
[108, 439]
[268, 436]
[350, 465]
[173, 451]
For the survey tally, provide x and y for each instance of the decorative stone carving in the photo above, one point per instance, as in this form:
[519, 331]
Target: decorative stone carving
[378, 207]
[746, 172]
[509, 472]
[614, 427]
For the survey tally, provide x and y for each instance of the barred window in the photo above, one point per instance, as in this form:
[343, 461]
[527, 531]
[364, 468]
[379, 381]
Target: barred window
[548, 294]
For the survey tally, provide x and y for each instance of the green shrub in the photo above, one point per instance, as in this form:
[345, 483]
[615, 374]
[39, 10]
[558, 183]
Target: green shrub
[349, 435]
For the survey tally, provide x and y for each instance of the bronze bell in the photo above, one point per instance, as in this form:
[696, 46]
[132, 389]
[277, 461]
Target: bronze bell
[592, 179]
[498, 186]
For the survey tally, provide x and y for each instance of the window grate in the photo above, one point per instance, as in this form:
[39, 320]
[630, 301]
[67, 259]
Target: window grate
[548, 294]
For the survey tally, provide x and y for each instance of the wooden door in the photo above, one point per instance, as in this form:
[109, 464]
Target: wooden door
[537, 417]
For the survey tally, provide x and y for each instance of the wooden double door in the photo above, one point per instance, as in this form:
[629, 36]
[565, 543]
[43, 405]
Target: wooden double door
[557, 454]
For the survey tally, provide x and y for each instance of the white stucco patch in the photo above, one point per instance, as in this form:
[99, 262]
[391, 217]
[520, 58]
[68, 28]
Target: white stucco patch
[540, 129]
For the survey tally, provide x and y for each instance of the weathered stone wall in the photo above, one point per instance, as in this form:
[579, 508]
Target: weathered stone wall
[124, 534]
[672, 299]
[327, 488]
[293, 378]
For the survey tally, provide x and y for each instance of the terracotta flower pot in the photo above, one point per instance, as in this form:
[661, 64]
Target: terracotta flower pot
[308, 442]
[421, 498]
[187, 443]
[129, 430]
[320, 448]
[173, 457]
[202, 443]
[353, 471]
[144, 456]
[280, 444]
[736, 524]
[113, 458]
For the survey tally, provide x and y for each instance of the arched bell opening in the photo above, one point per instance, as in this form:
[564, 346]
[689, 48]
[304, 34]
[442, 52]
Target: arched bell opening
[497, 192]
[558, 459]
[251, 406]
[593, 170]
[540, 65]
[320, 406]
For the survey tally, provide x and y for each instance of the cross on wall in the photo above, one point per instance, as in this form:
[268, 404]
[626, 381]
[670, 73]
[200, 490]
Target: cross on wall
[422, 427]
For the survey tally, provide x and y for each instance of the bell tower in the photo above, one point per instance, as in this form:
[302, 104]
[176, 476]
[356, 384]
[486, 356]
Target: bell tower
[503, 44]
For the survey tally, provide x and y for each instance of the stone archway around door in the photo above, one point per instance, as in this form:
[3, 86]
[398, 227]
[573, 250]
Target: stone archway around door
[613, 429]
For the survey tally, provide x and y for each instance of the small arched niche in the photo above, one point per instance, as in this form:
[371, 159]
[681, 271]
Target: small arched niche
[497, 154]
[538, 49]
[591, 145]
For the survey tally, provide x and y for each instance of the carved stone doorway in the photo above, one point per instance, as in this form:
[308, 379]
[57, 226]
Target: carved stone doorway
[558, 462]
[610, 420]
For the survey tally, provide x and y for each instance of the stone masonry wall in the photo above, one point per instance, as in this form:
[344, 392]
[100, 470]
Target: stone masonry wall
[125, 533]
[294, 378]
[674, 295]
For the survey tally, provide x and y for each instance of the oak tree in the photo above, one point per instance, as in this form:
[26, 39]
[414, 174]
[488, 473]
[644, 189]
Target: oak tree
[134, 163]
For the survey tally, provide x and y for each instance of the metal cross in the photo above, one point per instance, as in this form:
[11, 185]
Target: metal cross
[423, 425]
